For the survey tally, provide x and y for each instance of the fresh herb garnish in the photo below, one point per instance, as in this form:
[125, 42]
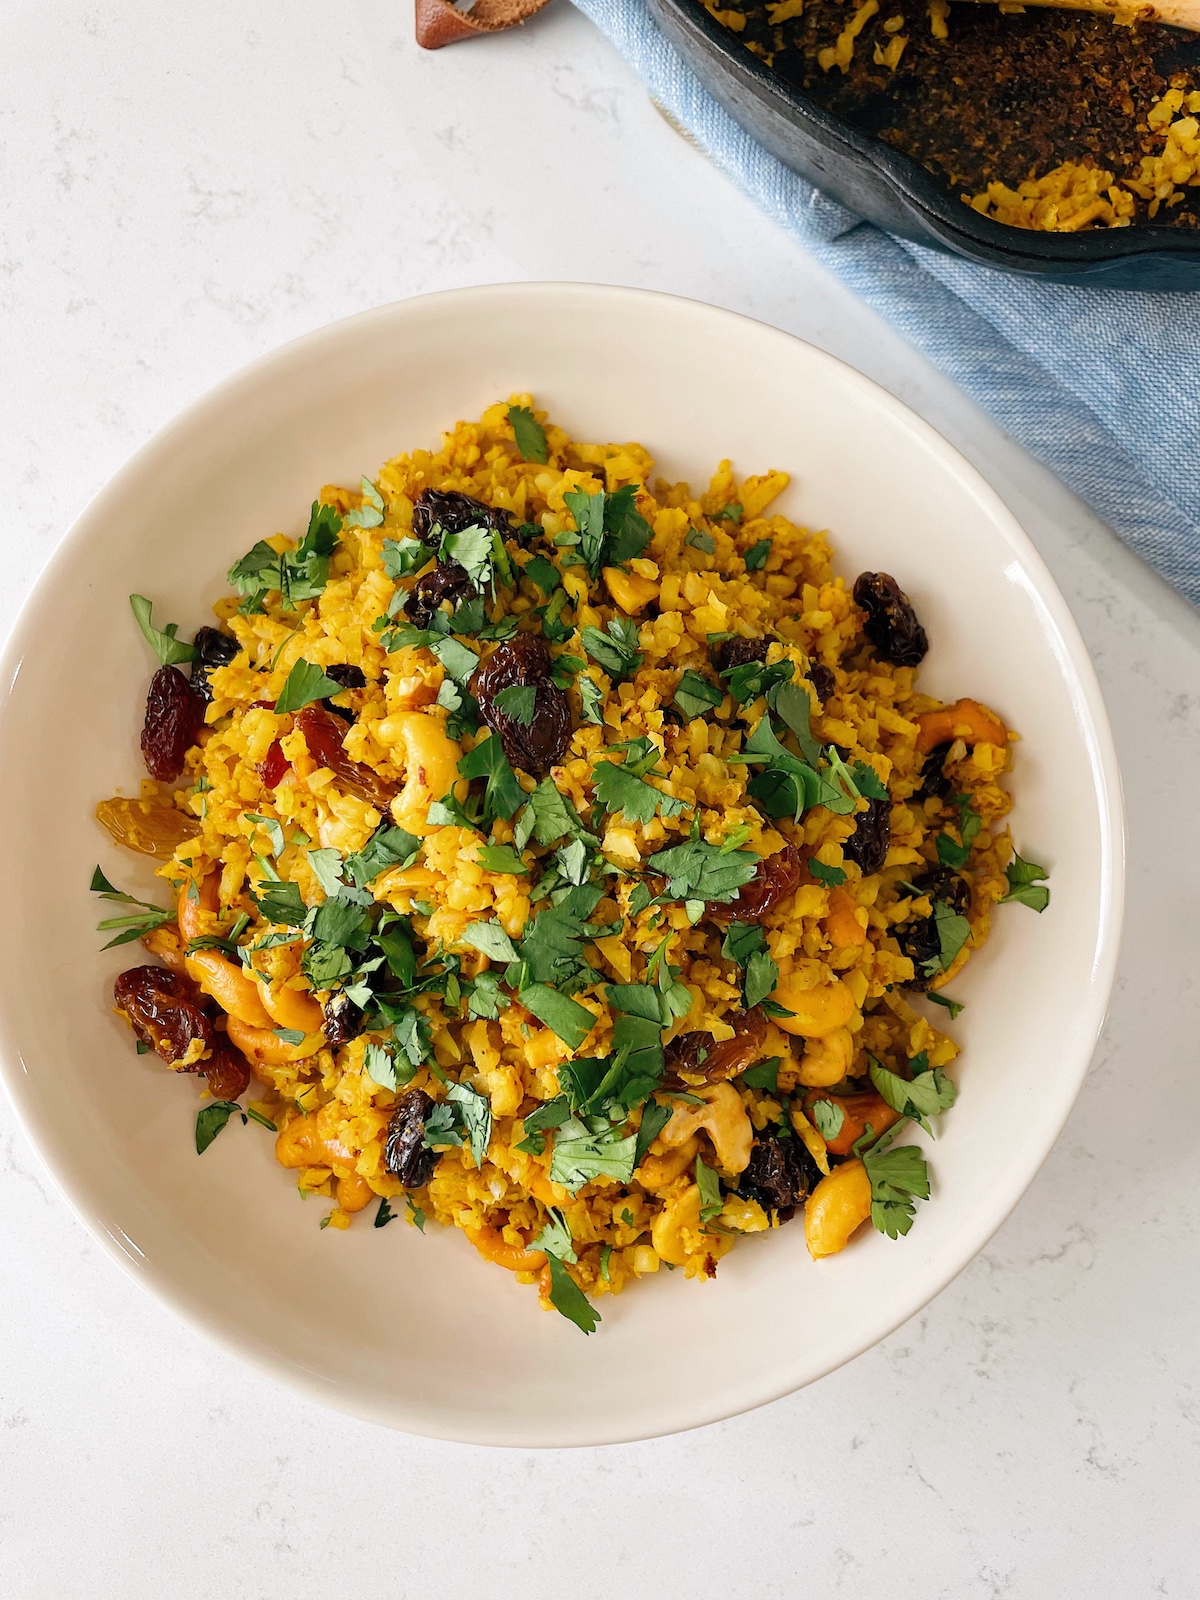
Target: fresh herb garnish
[562, 1015]
[169, 650]
[710, 1191]
[503, 795]
[950, 853]
[827, 1117]
[370, 513]
[581, 1154]
[568, 1298]
[831, 877]
[622, 789]
[387, 848]
[952, 1006]
[699, 540]
[305, 683]
[953, 931]
[920, 1098]
[403, 557]
[133, 926]
[615, 651]
[764, 1074]
[899, 1177]
[529, 434]
[756, 557]
[300, 574]
[695, 695]
[518, 701]
[212, 1118]
[1023, 885]
[697, 870]
[384, 1214]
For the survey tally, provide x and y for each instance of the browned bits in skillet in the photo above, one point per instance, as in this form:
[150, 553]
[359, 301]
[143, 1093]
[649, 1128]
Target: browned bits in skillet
[164, 1010]
[867, 846]
[918, 938]
[213, 649]
[447, 581]
[174, 716]
[404, 1152]
[780, 1174]
[323, 735]
[728, 653]
[891, 624]
[343, 1020]
[774, 879]
[693, 1058]
[935, 784]
[822, 679]
[227, 1072]
[524, 660]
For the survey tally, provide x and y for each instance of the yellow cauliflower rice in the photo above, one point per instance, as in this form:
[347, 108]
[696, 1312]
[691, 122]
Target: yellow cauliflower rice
[566, 857]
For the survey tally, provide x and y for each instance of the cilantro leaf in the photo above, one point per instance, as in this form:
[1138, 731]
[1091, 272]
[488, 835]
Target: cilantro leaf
[529, 434]
[756, 557]
[950, 853]
[568, 1298]
[591, 699]
[280, 903]
[210, 1120]
[697, 870]
[620, 791]
[789, 701]
[764, 1074]
[761, 977]
[380, 1065]
[553, 628]
[144, 920]
[490, 939]
[518, 701]
[501, 858]
[654, 1120]
[305, 683]
[699, 540]
[898, 1178]
[580, 1155]
[927, 1094]
[1023, 885]
[562, 1015]
[472, 549]
[476, 1112]
[741, 940]
[555, 1237]
[710, 1191]
[165, 645]
[485, 998]
[298, 575]
[548, 816]
[543, 573]
[503, 794]
[588, 512]
[403, 557]
[953, 932]
[384, 1214]
[952, 1006]
[827, 1118]
[695, 695]
[627, 533]
[831, 877]
[370, 513]
[615, 651]
[388, 847]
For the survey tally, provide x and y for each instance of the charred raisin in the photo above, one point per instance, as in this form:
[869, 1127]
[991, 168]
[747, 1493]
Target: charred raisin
[404, 1152]
[323, 734]
[693, 1058]
[453, 512]
[822, 679]
[891, 624]
[447, 581]
[213, 649]
[919, 938]
[174, 716]
[524, 661]
[729, 653]
[164, 1010]
[935, 783]
[774, 879]
[867, 846]
[227, 1072]
[780, 1174]
[343, 1020]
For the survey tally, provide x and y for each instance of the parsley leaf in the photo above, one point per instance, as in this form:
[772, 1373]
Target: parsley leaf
[697, 870]
[952, 1006]
[898, 1178]
[548, 816]
[165, 645]
[1023, 886]
[710, 1191]
[568, 1298]
[388, 847]
[562, 1015]
[831, 877]
[617, 651]
[518, 701]
[695, 695]
[529, 434]
[403, 557]
[503, 794]
[305, 683]
[621, 790]
[756, 557]
[476, 1112]
[827, 1118]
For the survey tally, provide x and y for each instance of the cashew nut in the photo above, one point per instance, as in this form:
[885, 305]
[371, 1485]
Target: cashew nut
[827, 1060]
[431, 760]
[266, 1049]
[659, 1171]
[837, 1206]
[965, 719]
[291, 1008]
[676, 1229]
[516, 1258]
[723, 1117]
[816, 1012]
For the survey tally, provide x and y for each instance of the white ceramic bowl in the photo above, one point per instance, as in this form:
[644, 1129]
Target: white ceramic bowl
[416, 1331]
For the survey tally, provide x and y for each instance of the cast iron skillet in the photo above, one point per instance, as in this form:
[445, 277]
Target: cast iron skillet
[889, 188]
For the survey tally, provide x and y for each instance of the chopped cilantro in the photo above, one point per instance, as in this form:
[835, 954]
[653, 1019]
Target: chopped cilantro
[543, 573]
[953, 932]
[761, 977]
[271, 827]
[568, 1298]
[699, 540]
[581, 1155]
[388, 847]
[710, 1190]
[212, 1118]
[555, 1237]
[472, 549]
[529, 434]
[950, 853]
[741, 940]
[622, 789]
[764, 1074]
[490, 939]
[305, 683]
[898, 1178]
[417, 1215]
[548, 816]
[403, 557]
[144, 920]
[654, 1120]
[626, 531]
[697, 870]
[380, 1065]
[553, 628]
[952, 1006]
[1023, 885]
[730, 513]
[503, 795]
[695, 695]
[924, 1096]
[605, 1255]
[756, 557]
[831, 877]
[501, 858]
[370, 513]
[384, 1214]
[615, 651]
[298, 575]
[591, 698]
[827, 1117]
[165, 645]
[476, 1112]
[518, 701]
[562, 1015]
[485, 998]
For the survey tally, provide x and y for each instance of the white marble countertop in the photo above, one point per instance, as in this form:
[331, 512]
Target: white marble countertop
[184, 187]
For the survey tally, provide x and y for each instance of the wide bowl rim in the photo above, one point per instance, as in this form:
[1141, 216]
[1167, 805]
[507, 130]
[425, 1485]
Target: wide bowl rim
[958, 225]
[73, 1183]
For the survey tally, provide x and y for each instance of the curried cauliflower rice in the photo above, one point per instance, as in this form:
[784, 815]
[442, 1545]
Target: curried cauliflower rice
[565, 859]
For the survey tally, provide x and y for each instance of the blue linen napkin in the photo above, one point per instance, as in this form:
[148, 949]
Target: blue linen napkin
[1102, 384]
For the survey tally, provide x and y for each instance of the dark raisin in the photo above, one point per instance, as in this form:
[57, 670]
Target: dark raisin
[891, 624]
[822, 679]
[935, 784]
[227, 1072]
[213, 649]
[174, 716]
[728, 653]
[453, 512]
[323, 734]
[867, 846]
[343, 1020]
[524, 661]
[918, 938]
[774, 879]
[780, 1174]
[404, 1152]
[693, 1058]
[349, 677]
[447, 581]
[275, 767]
[164, 1010]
